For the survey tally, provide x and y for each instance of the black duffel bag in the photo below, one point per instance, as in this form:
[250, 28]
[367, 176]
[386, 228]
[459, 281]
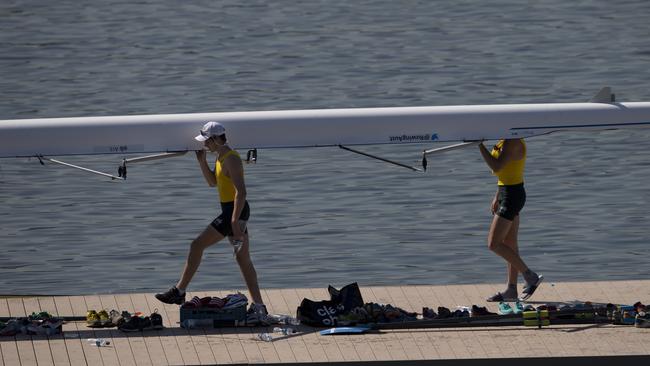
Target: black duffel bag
[324, 313]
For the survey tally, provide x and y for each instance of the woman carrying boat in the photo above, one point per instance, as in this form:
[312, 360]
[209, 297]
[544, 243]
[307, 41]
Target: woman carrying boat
[228, 177]
[507, 161]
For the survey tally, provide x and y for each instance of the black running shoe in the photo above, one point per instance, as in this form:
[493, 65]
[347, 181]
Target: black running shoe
[171, 296]
[135, 324]
[156, 321]
[443, 313]
[428, 313]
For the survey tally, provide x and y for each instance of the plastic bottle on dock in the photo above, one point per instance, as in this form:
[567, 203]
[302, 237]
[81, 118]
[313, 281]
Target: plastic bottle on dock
[284, 331]
[268, 337]
[98, 342]
[288, 320]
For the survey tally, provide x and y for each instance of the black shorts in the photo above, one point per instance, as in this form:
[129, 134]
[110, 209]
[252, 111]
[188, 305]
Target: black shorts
[510, 201]
[222, 222]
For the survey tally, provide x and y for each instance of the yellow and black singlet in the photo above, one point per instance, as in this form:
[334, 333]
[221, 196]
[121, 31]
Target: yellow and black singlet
[513, 172]
[224, 183]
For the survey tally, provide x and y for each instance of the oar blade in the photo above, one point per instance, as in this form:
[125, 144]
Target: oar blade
[345, 330]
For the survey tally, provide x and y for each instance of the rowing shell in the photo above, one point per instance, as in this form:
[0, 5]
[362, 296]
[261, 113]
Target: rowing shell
[311, 128]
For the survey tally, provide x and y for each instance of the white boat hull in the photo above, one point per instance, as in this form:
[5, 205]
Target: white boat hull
[309, 128]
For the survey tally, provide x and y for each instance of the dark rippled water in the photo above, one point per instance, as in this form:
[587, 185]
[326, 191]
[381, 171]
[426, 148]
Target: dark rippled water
[321, 215]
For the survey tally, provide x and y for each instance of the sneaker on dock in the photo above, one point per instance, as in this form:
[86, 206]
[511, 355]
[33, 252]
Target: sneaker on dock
[43, 315]
[428, 313]
[480, 311]
[92, 319]
[104, 319]
[257, 315]
[443, 313]
[135, 324]
[505, 309]
[113, 318]
[156, 321]
[642, 320]
[11, 328]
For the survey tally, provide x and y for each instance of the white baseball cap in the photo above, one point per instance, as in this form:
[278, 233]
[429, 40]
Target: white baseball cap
[210, 129]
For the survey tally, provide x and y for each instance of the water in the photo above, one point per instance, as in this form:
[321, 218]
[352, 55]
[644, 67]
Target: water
[322, 215]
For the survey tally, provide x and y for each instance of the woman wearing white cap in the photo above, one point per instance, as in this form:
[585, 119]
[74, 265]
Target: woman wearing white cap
[228, 176]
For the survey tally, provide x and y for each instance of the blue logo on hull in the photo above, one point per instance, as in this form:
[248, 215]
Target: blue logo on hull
[413, 138]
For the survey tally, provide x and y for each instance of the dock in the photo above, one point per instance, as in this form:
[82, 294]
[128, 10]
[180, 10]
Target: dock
[587, 344]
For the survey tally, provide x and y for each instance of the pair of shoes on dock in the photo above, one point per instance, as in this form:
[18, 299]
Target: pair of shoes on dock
[32, 326]
[103, 319]
[478, 311]
[137, 322]
[460, 312]
[9, 328]
[518, 308]
[124, 320]
[372, 312]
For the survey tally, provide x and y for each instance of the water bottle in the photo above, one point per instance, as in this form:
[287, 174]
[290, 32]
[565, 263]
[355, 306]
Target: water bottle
[284, 331]
[197, 323]
[288, 320]
[99, 342]
[266, 337]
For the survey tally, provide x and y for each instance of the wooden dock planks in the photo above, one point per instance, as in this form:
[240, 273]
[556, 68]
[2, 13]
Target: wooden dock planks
[175, 345]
